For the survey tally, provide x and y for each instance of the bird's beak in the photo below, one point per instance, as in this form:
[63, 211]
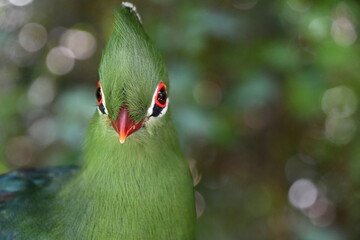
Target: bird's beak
[124, 125]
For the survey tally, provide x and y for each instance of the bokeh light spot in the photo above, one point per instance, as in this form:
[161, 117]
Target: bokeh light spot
[60, 60]
[200, 204]
[340, 130]
[322, 213]
[302, 194]
[12, 17]
[343, 31]
[318, 208]
[41, 92]
[339, 102]
[32, 37]
[319, 28]
[20, 151]
[20, 3]
[43, 131]
[196, 175]
[81, 43]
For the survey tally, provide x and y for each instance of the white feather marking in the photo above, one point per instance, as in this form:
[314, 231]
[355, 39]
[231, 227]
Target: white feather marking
[165, 108]
[132, 9]
[150, 109]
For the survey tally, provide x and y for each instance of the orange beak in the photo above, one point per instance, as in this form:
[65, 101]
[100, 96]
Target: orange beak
[124, 125]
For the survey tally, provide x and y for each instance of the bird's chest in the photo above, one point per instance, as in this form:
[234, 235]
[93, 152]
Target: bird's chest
[134, 206]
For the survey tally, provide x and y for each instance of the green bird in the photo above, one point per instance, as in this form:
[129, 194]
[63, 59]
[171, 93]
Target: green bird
[135, 182]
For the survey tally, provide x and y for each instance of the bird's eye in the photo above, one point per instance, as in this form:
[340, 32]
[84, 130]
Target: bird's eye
[98, 95]
[101, 100]
[161, 97]
[159, 102]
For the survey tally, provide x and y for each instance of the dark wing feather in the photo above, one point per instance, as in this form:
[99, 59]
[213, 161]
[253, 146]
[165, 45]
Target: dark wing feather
[19, 188]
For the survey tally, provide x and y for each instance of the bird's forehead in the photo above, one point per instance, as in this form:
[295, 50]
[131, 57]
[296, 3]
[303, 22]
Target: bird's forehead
[131, 63]
[131, 71]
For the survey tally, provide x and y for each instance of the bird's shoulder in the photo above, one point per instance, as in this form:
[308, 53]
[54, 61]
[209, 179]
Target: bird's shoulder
[23, 189]
[32, 179]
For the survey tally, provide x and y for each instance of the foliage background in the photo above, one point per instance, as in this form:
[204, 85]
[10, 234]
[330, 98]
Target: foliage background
[265, 99]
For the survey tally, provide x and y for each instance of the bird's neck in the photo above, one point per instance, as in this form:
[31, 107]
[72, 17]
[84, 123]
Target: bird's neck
[141, 186]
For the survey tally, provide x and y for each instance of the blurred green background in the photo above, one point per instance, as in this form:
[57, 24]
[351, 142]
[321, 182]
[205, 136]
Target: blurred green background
[264, 96]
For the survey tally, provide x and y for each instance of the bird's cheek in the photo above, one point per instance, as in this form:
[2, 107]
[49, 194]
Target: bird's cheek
[152, 125]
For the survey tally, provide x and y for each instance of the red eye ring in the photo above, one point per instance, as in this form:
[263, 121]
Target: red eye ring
[161, 95]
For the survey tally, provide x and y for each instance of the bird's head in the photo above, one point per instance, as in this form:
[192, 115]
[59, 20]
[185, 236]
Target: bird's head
[133, 87]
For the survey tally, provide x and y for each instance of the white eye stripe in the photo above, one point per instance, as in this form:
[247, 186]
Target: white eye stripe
[150, 109]
[164, 110]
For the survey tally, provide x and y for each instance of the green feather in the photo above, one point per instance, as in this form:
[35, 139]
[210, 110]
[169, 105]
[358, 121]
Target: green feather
[141, 189]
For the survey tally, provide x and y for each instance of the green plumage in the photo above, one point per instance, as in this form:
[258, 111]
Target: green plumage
[141, 189]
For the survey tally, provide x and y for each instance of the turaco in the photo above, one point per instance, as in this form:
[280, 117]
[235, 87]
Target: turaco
[134, 182]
